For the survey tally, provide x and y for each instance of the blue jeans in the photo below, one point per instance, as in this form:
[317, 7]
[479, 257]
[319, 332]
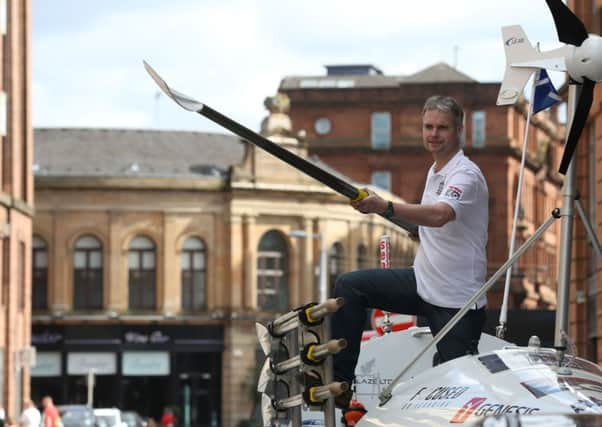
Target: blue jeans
[394, 290]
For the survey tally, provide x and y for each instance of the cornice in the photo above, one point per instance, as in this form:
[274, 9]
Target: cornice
[137, 183]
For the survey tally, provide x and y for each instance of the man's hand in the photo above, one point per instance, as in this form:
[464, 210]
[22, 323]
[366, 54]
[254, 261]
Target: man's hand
[372, 203]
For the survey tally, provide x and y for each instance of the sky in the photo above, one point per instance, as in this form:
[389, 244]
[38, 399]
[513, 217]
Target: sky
[231, 54]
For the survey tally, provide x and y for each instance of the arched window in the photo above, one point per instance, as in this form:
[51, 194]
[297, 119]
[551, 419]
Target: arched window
[272, 273]
[378, 255]
[193, 274]
[336, 264]
[363, 260]
[87, 273]
[142, 274]
[39, 286]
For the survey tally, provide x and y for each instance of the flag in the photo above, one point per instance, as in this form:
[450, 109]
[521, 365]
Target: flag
[545, 93]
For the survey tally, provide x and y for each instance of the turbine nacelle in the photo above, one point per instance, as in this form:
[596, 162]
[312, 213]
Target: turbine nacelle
[586, 60]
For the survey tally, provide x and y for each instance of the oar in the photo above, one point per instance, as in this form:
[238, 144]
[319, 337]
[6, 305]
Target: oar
[332, 181]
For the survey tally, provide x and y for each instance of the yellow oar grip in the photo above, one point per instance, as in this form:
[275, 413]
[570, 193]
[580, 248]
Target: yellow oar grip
[361, 194]
[308, 316]
[310, 353]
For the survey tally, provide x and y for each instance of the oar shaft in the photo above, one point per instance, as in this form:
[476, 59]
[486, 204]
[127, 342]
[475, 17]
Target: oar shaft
[332, 181]
[283, 154]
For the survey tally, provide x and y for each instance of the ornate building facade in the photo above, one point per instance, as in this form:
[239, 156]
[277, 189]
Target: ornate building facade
[156, 252]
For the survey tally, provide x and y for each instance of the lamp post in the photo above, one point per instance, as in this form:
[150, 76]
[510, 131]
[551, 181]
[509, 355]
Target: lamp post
[303, 234]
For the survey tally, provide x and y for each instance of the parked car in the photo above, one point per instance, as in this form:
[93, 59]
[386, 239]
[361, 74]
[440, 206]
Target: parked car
[111, 417]
[132, 419]
[77, 416]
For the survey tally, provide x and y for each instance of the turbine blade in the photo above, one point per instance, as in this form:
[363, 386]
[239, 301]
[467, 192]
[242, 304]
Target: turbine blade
[569, 27]
[579, 118]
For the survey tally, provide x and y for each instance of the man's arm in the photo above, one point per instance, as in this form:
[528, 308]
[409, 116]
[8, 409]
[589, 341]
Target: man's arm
[433, 215]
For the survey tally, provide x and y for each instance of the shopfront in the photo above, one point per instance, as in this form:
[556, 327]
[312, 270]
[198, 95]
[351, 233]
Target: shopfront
[143, 368]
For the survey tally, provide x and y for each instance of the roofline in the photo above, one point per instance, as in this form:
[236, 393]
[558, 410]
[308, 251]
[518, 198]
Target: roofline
[128, 183]
[130, 130]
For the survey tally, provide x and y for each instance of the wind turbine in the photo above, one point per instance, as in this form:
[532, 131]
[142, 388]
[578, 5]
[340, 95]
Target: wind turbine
[580, 58]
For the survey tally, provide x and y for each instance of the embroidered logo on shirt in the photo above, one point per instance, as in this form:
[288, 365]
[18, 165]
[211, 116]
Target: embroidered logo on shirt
[453, 192]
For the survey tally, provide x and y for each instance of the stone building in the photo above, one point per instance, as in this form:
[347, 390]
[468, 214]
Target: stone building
[155, 253]
[16, 203]
[368, 125]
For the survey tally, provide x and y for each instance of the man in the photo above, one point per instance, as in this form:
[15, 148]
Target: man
[51, 417]
[450, 265]
[30, 417]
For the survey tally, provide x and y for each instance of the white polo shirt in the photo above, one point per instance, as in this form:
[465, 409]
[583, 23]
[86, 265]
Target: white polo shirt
[451, 262]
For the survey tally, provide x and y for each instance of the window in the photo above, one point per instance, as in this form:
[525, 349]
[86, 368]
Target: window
[6, 276]
[382, 179]
[381, 130]
[363, 260]
[193, 274]
[3, 7]
[142, 274]
[272, 273]
[21, 276]
[3, 112]
[39, 285]
[478, 129]
[336, 264]
[322, 126]
[87, 274]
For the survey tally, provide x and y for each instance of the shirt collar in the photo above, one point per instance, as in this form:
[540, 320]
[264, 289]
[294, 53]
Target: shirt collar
[449, 165]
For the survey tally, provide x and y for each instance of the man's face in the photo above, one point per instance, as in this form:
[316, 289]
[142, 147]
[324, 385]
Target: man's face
[440, 135]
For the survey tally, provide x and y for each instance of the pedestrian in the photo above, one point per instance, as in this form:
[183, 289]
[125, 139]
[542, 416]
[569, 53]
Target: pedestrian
[30, 416]
[167, 419]
[450, 264]
[50, 416]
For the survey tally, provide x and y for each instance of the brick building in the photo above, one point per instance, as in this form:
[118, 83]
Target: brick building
[368, 125]
[163, 249]
[16, 203]
[585, 316]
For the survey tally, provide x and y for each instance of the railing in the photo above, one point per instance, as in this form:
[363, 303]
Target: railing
[297, 373]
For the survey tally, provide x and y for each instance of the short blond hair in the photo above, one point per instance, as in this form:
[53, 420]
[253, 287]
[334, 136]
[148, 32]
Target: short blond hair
[445, 103]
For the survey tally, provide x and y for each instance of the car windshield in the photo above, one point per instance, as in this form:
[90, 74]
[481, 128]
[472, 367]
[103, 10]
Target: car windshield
[129, 418]
[77, 418]
[110, 420]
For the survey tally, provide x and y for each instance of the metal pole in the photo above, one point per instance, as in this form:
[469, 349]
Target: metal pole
[323, 268]
[500, 330]
[329, 409]
[295, 387]
[589, 229]
[566, 237]
[90, 382]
